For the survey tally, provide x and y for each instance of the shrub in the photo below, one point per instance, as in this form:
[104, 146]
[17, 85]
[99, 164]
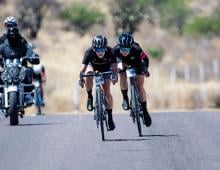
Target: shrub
[127, 14]
[200, 25]
[174, 14]
[82, 18]
[204, 25]
[156, 53]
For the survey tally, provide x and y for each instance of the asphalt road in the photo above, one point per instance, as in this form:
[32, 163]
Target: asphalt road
[175, 141]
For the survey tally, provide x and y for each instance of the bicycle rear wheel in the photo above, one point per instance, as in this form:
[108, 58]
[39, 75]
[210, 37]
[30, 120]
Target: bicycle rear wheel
[100, 110]
[135, 108]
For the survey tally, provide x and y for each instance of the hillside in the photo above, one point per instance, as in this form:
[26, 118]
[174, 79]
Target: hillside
[61, 53]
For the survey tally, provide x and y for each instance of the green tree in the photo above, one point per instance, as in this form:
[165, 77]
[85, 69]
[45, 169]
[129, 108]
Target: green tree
[82, 18]
[127, 14]
[204, 25]
[173, 14]
[31, 14]
[199, 25]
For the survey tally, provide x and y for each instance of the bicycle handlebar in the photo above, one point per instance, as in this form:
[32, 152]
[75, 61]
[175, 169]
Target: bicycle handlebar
[97, 74]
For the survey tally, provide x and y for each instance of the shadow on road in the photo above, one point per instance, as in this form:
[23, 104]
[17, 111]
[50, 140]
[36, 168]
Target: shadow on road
[124, 140]
[140, 139]
[38, 124]
[166, 136]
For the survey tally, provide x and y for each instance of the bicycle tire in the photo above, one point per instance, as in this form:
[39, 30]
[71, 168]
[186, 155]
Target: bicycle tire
[135, 105]
[100, 112]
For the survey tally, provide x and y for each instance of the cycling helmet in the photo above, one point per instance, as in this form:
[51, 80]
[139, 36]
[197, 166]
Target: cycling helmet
[125, 40]
[10, 21]
[13, 32]
[99, 41]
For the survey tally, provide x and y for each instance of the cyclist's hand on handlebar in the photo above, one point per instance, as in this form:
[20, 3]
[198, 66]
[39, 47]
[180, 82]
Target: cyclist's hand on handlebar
[115, 80]
[147, 73]
[81, 82]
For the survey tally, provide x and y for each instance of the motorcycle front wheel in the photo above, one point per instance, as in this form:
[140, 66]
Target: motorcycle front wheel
[12, 110]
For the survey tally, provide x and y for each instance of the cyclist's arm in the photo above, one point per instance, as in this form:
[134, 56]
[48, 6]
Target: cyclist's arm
[114, 64]
[83, 68]
[145, 58]
[115, 70]
[85, 61]
[43, 74]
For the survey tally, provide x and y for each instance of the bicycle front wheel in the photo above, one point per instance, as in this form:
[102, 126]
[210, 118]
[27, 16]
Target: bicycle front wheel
[135, 105]
[99, 99]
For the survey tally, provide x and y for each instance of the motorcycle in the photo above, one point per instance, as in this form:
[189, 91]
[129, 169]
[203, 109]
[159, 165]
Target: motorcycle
[13, 97]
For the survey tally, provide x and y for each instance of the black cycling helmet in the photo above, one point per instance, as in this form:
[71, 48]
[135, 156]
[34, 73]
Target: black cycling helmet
[99, 41]
[13, 32]
[125, 40]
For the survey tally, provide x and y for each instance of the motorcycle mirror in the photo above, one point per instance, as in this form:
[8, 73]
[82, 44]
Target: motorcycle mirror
[31, 46]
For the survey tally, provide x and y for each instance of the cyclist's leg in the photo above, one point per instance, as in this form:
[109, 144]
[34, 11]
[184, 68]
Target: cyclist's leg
[106, 87]
[124, 89]
[42, 94]
[109, 104]
[140, 87]
[142, 95]
[89, 85]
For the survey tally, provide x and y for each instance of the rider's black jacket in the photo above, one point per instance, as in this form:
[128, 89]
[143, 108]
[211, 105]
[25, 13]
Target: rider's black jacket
[99, 64]
[6, 51]
[135, 58]
[4, 37]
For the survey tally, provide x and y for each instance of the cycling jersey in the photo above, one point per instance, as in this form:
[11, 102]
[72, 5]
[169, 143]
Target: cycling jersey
[136, 58]
[39, 74]
[99, 64]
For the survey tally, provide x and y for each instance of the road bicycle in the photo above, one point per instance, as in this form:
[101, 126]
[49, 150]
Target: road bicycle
[136, 111]
[100, 113]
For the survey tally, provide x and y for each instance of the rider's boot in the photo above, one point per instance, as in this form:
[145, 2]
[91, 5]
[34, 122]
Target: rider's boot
[146, 116]
[111, 123]
[125, 103]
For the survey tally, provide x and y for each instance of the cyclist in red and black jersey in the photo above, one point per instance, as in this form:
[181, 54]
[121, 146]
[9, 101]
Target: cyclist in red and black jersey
[100, 58]
[131, 54]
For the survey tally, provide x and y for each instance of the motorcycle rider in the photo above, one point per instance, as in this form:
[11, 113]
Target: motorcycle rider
[131, 54]
[39, 75]
[100, 58]
[13, 47]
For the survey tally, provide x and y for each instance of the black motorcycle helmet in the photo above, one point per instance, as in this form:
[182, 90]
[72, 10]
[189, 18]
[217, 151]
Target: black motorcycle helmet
[125, 40]
[99, 41]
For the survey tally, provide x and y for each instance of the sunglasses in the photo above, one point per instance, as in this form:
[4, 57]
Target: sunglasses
[123, 49]
[10, 25]
[99, 50]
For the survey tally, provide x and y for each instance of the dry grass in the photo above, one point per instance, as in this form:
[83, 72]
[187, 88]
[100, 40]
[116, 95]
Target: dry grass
[62, 52]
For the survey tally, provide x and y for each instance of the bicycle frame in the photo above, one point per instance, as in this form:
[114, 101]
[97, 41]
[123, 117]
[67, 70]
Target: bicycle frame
[100, 102]
[135, 107]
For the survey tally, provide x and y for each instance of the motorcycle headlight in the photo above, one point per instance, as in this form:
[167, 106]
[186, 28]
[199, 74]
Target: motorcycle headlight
[13, 71]
[4, 76]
